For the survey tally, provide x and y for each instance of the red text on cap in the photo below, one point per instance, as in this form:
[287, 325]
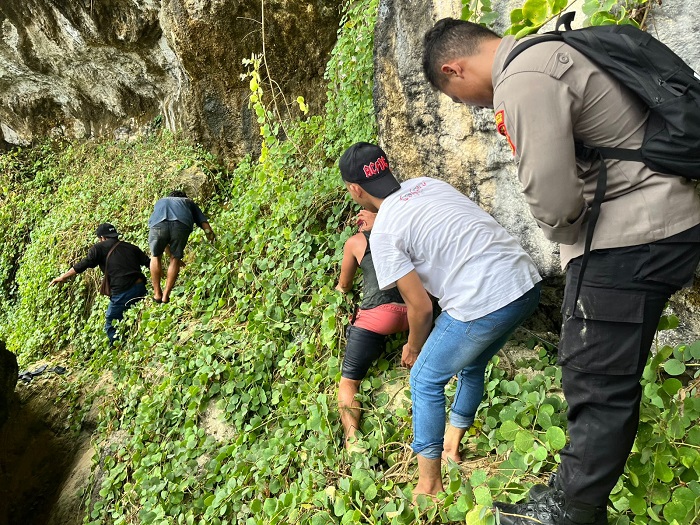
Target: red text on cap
[374, 168]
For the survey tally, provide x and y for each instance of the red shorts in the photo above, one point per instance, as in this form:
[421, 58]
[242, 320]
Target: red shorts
[385, 319]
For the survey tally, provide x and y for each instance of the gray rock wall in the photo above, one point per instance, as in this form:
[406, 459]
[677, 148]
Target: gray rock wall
[425, 133]
[676, 24]
[89, 68]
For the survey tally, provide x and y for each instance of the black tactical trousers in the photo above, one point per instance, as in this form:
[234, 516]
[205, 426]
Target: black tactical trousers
[604, 346]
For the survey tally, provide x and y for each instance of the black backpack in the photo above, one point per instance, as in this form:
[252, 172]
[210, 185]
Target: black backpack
[655, 74]
[661, 79]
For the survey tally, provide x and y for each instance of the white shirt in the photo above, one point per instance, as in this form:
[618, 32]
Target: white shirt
[463, 257]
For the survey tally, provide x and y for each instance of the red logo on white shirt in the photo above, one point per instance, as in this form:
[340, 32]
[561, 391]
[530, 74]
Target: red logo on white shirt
[416, 190]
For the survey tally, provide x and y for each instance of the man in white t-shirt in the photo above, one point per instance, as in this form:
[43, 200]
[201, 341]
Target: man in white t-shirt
[430, 240]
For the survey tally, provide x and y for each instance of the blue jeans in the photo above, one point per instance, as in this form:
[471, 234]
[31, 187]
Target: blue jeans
[120, 303]
[463, 349]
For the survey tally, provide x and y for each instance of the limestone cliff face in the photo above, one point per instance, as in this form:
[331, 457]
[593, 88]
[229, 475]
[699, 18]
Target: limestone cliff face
[110, 67]
[425, 133]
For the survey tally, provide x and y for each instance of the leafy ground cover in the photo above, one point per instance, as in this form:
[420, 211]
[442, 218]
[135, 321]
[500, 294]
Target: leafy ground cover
[220, 406]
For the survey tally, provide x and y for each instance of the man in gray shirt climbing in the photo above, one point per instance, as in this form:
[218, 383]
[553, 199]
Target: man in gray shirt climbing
[170, 225]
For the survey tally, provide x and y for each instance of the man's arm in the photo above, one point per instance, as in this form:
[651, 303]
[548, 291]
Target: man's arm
[420, 316]
[208, 231]
[349, 265]
[64, 277]
[90, 261]
[144, 260]
[200, 219]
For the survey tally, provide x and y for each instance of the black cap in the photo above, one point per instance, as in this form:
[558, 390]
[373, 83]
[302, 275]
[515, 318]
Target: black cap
[106, 230]
[366, 164]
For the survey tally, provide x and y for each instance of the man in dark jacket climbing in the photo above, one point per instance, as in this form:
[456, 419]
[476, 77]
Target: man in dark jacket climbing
[121, 263]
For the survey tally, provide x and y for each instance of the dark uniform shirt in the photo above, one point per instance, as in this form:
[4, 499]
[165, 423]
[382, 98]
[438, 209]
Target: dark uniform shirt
[124, 263]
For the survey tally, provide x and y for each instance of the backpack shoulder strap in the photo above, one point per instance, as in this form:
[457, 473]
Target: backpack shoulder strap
[564, 20]
[367, 248]
[110, 253]
[519, 48]
[594, 213]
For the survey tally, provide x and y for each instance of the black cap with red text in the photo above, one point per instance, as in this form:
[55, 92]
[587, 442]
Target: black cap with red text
[366, 164]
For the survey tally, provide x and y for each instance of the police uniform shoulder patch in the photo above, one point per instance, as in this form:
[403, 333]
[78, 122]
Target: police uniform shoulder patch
[501, 128]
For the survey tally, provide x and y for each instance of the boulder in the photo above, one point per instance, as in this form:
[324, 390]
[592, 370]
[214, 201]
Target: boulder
[424, 133]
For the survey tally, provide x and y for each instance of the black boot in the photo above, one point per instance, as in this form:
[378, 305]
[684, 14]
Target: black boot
[545, 508]
[538, 492]
[548, 506]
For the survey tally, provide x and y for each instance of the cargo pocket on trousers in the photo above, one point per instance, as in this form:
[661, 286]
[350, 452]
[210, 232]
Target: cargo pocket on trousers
[603, 335]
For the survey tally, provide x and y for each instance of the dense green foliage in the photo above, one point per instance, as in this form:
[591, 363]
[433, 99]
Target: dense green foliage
[219, 408]
[529, 18]
[53, 197]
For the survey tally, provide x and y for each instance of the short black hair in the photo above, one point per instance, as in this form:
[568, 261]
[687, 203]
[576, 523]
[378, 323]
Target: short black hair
[177, 193]
[449, 39]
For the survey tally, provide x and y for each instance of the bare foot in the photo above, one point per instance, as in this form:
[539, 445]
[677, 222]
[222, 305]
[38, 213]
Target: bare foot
[432, 497]
[453, 439]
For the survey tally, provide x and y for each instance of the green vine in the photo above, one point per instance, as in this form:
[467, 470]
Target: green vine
[529, 18]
